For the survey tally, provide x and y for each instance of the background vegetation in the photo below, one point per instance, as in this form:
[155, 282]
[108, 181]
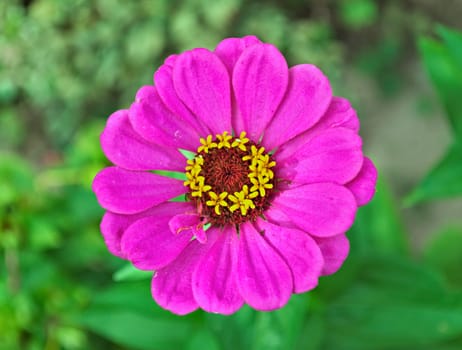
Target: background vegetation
[66, 65]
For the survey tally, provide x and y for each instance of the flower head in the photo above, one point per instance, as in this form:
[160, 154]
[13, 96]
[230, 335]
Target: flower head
[276, 177]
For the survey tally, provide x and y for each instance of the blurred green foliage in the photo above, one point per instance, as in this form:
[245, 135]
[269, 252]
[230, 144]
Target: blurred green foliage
[66, 65]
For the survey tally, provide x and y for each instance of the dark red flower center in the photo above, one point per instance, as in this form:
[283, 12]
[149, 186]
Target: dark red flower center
[230, 179]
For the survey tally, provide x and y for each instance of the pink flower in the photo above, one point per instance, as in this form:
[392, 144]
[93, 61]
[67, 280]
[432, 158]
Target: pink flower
[276, 178]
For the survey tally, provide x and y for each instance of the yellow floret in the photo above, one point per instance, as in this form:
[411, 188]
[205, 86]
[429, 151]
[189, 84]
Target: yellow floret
[242, 200]
[206, 144]
[241, 141]
[224, 140]
[200, 187]
[217, 201]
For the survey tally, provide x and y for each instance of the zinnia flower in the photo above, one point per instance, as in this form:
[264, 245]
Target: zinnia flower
[273, 181]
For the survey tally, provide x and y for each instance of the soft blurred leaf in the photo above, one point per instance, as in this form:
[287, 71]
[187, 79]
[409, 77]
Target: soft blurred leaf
[204, 340]
[358, 13]
[16, 178]
[127, 315]
[393, 303]
[444, 180]
[378, 226]
[453, 41]
[130, 273]
[281, 329]
[227, 327]
[444, 252]
[445, 71]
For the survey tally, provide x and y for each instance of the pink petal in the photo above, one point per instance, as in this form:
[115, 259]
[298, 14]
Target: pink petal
[113, 225]
[188, 222]
[164, 84]
[334, 250]
[321, 209]
[363, 186]
[112, 228]
[149, 244]
[170, 60]
[125, 148]
[264, 279]
[128, 192]
[334, 155]
[230, 49]
[260, 80]
[157, 124]
[214, 280]
[172, 285]
[300, 252]
[307, 98]
[339, 114]
[202, 83]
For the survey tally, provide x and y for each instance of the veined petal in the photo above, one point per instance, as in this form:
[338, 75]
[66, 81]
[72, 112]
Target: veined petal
[129, 192]
[163, 80]
[191, 222]
[340, 114]
[202, 82]
[230, 49]
[300, 252]
[363, 186]
[321, 209]
[307, 98]
[127, 149]
[334, 155]
[334, 250]
[149, 244]
[113, 225]
[172, 285]
[264, 279]
[214, 280]
[156, 123]
[260, 80]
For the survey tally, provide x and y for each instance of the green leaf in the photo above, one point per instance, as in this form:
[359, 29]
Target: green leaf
[234, 331]
[442, 62]
[127, 315]
[453, 41]
[444, 180]
[444, 252]
[393, 303]
[281, 328]
[130, 273]
[378, 227]
[358, 13]
[204, 340]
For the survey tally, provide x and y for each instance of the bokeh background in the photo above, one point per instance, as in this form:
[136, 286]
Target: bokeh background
[66, 65]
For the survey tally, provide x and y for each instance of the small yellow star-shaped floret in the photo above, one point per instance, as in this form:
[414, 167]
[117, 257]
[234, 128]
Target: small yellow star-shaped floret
[217, 201]
[260, 184]
[200, 187]
[224, 140]
[241, 141]
[206, 144]
[256, 153]
[242, 200]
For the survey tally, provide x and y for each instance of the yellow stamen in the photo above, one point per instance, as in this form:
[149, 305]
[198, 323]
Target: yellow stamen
[217, 201]
[200, 187]
[224, 140]
[194, 163]
[260, 184]
[256, 153]
[206, 144]
[241, 201]
[241, 141]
